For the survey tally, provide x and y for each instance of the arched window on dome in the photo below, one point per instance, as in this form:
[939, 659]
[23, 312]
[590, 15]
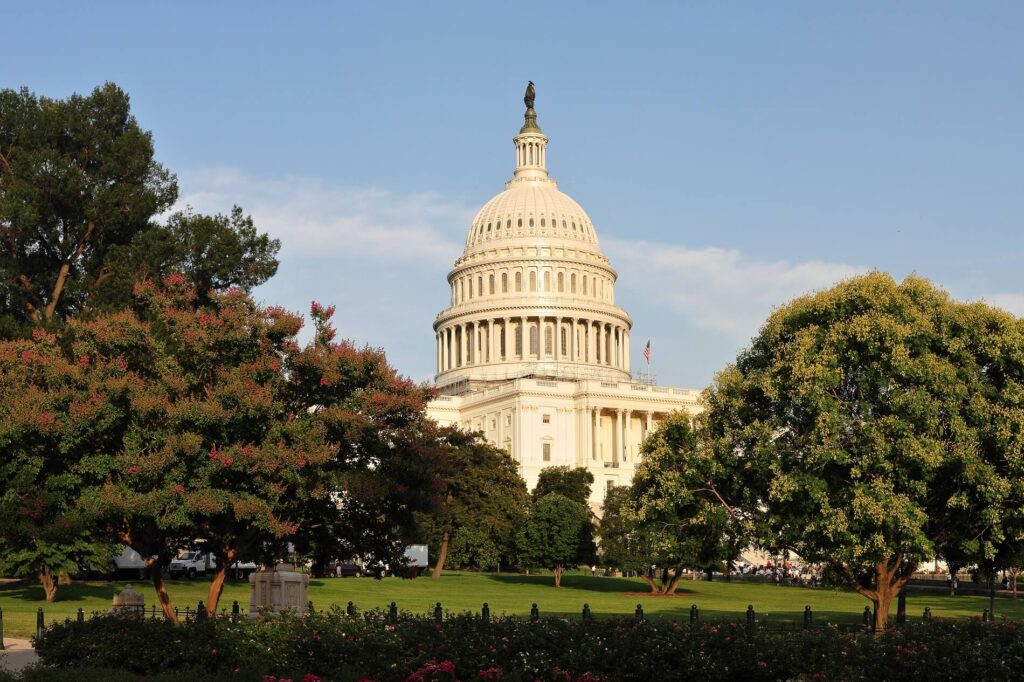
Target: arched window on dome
[572, 283]
[534, 341]
[549, 346]
[480, 285]
[504, 282]
[584, 285]
[531, 222]
[533, 281]
[462, 290]
[542, 224]
[519, 281]
[563, 224]
[564, 341]
[574, 226]
[519, 340]
[561, 282]
[508, 224]
[490, 287]
[519, 223]
[547, 280]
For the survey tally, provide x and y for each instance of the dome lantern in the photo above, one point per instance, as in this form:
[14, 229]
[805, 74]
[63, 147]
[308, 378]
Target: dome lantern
[531, 146]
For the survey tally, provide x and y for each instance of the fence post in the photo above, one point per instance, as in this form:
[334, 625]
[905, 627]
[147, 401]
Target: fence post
[534, 613]
[639, 613]
[927, 614]
[750, 614]
[234, 610]
[81, 616]
[586, 612]
[808, 617]
[201, 611]
[39, 623]
[485, 613]
[694, 613]
[866, 618]
[1, 629]
[393, 612]
[985, 617]
[350, 609]
[438, 613]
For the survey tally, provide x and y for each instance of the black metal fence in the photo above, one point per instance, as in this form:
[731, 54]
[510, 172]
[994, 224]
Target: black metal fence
[750, 616]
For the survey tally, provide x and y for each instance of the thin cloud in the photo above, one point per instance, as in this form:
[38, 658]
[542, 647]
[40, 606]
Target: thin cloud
[312, 218]
[717, 289]
[1010, 302]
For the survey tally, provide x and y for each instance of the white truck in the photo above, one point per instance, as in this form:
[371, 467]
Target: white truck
[416, 559]
[191, 563]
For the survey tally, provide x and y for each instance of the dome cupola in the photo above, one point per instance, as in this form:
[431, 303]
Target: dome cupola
[532, 294]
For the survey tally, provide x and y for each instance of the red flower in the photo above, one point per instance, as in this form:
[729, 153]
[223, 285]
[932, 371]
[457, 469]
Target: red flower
[132, 470]
[310, 677]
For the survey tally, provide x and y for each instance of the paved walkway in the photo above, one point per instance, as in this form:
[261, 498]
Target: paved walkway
[17, 655]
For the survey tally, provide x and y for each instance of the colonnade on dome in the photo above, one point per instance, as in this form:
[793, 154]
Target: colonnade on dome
[532, 338]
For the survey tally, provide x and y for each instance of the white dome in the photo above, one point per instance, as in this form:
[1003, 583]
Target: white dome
[531, 210]
[532, 294]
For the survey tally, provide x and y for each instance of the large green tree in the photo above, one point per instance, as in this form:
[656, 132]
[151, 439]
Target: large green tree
[677, 499]
[874, 423]
[558, 532]
[484, 503]
[574, 483]
[77, 178]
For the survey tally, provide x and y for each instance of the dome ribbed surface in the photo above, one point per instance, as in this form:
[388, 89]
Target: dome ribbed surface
[531, 209]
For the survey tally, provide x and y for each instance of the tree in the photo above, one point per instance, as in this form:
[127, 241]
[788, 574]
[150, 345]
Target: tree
[573, 483]
[77, 178]
[484, 504]
[42, 533]
[558, 532]
[873, 423]
[215, 253]
[624, 542]
[677, 497]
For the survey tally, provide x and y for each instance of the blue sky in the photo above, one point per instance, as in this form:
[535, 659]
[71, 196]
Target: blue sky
[731, 155]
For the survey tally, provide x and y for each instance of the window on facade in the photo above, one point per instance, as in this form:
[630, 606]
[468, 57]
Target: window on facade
[491, 283]
[480, 286]
[519, 223]
[501, 341]
[546, 450]
[493, 424]
[546, 418]
[504, 282]
[519, 341]
[584, 285]
[534, 341]
[572, 282]
[533, 281]
[542, 224]
[531, 222]
[609, 484]
[548, 345]
[519, 281]
[561, 282]
[547, 281]
[564, 341]
[508, 420]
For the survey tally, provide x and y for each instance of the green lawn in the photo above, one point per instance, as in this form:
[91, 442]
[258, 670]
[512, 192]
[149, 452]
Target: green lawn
[512, 594]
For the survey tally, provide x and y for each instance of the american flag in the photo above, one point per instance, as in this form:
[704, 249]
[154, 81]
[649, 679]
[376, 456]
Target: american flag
[647, 352]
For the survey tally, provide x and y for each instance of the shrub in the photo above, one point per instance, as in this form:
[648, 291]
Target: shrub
[336, 647]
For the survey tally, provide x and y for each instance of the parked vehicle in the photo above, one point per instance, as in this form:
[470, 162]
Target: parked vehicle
[191, 563]
[347, 569]
[242, 569]
[417, 559]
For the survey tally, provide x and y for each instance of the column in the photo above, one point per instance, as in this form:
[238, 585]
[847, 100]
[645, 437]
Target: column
[627, 354]
[595, 420]
[617, 438]
[626, 440]
[558, 339]
[437, 340]
[492, 345]
[462, 344]
[507, 327]
[447, 336]
[524, 339]
[572, 341]
[650, 423]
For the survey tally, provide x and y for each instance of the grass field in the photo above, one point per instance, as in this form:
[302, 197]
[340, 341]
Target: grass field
[513, 594]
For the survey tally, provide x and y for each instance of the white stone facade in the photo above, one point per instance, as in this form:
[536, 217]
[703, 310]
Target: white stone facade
[532, 350]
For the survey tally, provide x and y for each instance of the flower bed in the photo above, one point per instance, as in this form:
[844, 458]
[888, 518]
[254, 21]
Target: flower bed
[337, 647]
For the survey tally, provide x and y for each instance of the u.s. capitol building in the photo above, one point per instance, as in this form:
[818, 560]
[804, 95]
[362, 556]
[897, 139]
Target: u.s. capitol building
[533, 351]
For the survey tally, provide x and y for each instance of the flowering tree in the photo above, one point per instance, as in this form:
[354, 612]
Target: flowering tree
[210, 422]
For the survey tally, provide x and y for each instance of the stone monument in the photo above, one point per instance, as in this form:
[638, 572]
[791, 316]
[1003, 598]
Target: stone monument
[279, 589]
[128, 602]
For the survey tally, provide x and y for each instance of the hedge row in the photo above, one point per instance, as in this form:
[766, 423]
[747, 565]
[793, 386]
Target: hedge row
[337, 647]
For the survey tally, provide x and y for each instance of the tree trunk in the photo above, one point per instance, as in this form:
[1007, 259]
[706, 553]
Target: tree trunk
[675, 581]
[650, 583]
[1013, 582]
[901, 607]
[49, 583]
[62, 274]
[441, 556]
[217, 586]
[156, 574]
[558, 575]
